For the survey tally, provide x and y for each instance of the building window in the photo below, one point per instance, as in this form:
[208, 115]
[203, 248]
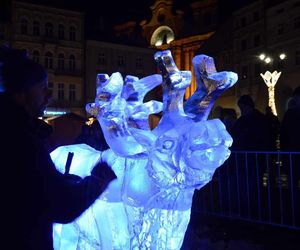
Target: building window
[72, 34]
[72, 92]
[61, 62]
[101, 58]
[280, 29]
[256, 41]
[49, 30]
[60, 91]
[297, 57]
[138, 63]
[36, 56]
[243, 44]
[255, 16]
[61, 32]
[72, 65]
[257, 69]
[243, 22]
[50, 88]
[49, 60]
[36, 28]
[24, 26]
[279, 11]
[280, 64]
[121, 61]
[244, 72]
[297, 22]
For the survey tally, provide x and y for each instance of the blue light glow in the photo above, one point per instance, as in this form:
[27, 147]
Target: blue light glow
[149, 205]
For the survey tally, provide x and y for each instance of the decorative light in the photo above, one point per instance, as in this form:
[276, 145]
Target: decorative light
[282, 56]
[158, 43]
[271, 79]
[262, 56]
[268, 59]
[54, 113]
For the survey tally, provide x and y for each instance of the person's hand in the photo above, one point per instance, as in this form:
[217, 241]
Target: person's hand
[103, 172]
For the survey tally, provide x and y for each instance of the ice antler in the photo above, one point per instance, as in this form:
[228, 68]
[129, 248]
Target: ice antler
[210, 84]
[174, 84]
[119, 109]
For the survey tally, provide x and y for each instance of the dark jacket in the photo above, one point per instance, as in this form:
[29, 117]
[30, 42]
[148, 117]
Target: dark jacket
[33, 193]
[253, 132]
[290, 131]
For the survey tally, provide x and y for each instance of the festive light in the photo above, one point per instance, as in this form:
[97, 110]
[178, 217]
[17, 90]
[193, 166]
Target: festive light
[271, 79]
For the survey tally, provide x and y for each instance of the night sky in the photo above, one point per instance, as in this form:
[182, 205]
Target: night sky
[118, 11]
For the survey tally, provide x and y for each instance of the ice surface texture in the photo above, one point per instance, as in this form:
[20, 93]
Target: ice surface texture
[148, 206]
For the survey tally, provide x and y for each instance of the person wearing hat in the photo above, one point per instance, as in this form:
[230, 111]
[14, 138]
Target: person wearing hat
[34, 195]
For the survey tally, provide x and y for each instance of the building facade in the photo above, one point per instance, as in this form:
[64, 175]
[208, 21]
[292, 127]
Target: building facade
[107, 58]
[183, 35]
[55, 38]
[273, 30]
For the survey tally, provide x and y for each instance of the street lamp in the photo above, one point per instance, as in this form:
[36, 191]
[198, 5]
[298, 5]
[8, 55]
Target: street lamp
[271, 79]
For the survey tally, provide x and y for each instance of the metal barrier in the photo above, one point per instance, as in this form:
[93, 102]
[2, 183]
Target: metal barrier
[261, 187]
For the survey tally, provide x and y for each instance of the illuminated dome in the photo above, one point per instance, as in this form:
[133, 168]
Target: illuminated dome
[162, 35]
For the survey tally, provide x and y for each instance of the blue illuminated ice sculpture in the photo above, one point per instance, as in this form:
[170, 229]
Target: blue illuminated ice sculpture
[149, 205]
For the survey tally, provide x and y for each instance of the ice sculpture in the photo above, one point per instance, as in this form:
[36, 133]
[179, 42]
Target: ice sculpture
[148, 206]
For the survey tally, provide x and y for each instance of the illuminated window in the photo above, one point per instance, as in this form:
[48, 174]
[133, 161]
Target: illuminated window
[72, 92]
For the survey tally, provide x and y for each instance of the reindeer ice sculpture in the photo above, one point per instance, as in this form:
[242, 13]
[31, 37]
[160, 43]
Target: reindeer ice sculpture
[148, 206]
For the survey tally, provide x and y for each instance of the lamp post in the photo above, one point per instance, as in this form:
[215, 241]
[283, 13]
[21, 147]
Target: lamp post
[271, 79]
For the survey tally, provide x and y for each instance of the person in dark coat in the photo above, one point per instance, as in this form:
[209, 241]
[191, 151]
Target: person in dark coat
[290, 125]
[34, 195]
[252, 131]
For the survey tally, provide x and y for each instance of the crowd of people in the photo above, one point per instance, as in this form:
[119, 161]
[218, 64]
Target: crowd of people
[254, 130]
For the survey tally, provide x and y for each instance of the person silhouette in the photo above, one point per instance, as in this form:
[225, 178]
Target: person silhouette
[34, 194]
[251, 130]
[289, 129]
